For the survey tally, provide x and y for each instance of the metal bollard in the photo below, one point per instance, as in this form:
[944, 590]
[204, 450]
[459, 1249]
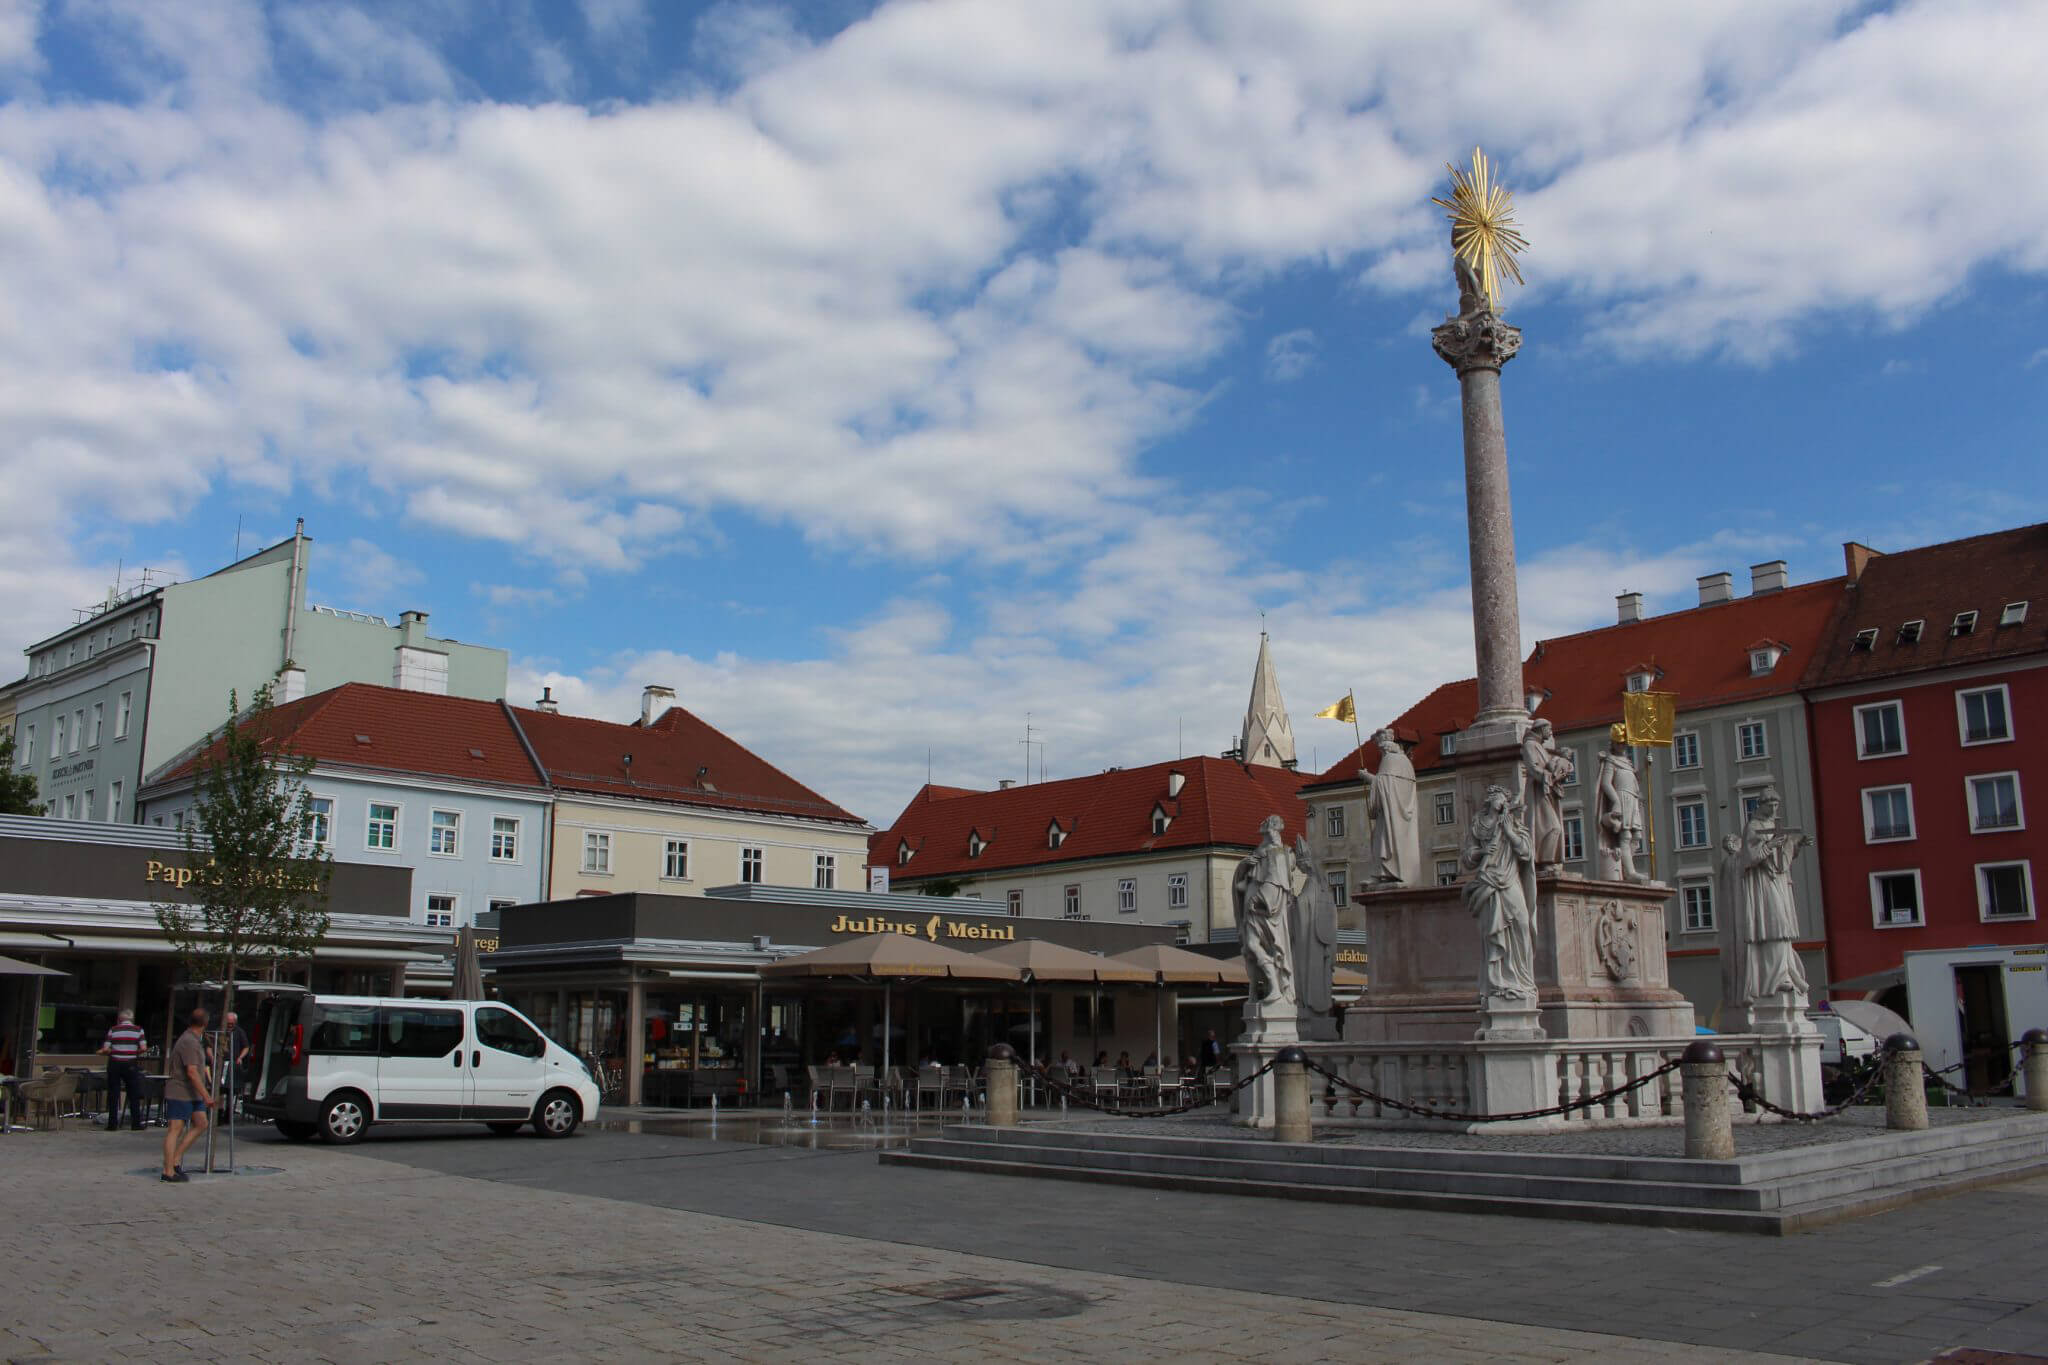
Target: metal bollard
[1905, 1084]
[1290, 1097]
[1002, 1086]
[1709, 1130]
[2036, 1040]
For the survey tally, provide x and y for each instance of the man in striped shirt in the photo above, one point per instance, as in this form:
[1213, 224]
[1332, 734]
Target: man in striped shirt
[123, 1050]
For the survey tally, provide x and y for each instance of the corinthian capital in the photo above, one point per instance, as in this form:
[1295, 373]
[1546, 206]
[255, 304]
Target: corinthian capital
[1476, 340]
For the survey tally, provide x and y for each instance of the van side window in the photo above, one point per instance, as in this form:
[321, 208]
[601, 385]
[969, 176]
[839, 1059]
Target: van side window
[507, 1032]
[421, 1033]
[346, 1029]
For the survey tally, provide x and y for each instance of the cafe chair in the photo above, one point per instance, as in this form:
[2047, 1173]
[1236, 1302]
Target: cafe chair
[50, 1097]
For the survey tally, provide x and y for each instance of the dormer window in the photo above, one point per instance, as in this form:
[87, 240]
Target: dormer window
[1763, 658]
[1909, 634]
[1054, 835]
[903, 852]
[2015, 614]
[1866, 640]
[975, 844]
[1160, 819]
[1638, 682]
[1448, 745]
[1964, 624]
[1533, 698]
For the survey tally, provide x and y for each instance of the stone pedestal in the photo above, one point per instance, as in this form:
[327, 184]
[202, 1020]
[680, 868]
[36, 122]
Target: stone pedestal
[1256, 1104]
[1789, 1068]
[1510, 1079]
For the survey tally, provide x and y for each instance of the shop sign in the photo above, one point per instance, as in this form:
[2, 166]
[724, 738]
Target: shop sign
[1350, 957]
[935, 928]
[78, 769]
[181, 877]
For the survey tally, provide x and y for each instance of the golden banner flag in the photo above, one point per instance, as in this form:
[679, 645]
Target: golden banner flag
[1649, 717]
[1343, 710]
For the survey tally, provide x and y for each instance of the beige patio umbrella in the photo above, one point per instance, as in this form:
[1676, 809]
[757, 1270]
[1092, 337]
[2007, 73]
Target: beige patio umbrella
[1171, 966]
[1042, 961]
[892, 957]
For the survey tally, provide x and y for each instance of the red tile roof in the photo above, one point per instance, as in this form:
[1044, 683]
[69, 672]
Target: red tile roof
[1933, 584]
[1106, 815]
[362, 725]
[678, 759]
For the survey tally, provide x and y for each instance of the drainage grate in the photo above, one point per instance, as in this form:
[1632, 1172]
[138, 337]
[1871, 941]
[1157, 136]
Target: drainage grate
[987, 1299]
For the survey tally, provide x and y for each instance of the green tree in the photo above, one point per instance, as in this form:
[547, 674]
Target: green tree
[17, 789]
[259, 881]
[941, 886]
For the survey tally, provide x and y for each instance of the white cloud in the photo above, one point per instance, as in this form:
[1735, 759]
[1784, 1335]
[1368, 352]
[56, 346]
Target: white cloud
[371, 574]
[1290, 355]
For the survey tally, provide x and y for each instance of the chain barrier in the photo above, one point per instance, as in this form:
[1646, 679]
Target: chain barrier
[1751, 1095]
[1454, 1116]
[1087, 1100]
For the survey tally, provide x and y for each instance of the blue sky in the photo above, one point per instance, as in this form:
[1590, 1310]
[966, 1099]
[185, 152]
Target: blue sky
[877, 375]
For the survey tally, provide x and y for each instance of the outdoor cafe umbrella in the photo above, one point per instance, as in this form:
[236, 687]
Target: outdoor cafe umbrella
[892, 957]
[1042, 961]
[14, 966]
[31, 1002]
[1167, 965]
[469, 967]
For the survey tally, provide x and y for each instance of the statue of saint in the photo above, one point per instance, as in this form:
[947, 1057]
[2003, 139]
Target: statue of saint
[1501, 895]
[1264, 891]
[1544, 774]
[1394, 855]
[1315, 939]
[1767, 921]
[1620, 821]
[1734, 1016]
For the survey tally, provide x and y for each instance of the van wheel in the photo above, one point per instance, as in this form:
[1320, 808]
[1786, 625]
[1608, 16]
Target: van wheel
[344, 1118]
[505, 1129]
[297, 1131]
[556, 1116]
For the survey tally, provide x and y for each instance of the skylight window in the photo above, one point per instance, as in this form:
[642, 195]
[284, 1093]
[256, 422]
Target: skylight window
[1866, 640]
[1909, 634]
[1965, 623]
[2015, 614]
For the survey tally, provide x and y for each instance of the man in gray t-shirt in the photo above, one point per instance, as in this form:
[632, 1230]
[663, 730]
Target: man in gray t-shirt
[186, 1095]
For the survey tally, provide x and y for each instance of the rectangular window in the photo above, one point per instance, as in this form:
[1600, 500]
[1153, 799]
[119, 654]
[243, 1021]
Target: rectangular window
[1887, 814]
[57, 737]
[114, 802]
[504, 839]
[1880, 730]
[675, 860]
[1995, 803]
[1895, 898]
[1574, 838]
[1016, 900]
[1984, 715]
[382, 830]
[70, 806]
[597, 852]
[1333, 819]
[444, 839]
[77, 729]
[1177, 891]
[1698, 898]
[750, 865]
[1749, 740]
[1446, 808]
[99, 716]
[1127, 896]
[498, 905]
[2005, 891]
[85, 806]
[824, 872]
[1071, 903]
[1446, 871]
[1692, 824]
[122, 710]
[28, 745]
[1340, 886]
[1750, 801]
[2015, 614]
[441, 911]
[320, 821]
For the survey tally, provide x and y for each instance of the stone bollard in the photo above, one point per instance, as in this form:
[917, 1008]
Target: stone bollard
[1905, 1084]
[1290, 1097]
[1002, 1086]
[2036, 1040]
[1709, 1131]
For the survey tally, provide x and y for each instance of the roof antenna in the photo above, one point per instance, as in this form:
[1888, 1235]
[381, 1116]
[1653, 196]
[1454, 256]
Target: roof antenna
[238, 537]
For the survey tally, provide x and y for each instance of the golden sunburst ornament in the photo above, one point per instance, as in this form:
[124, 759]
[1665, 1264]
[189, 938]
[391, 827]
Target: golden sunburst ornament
[1483, 234]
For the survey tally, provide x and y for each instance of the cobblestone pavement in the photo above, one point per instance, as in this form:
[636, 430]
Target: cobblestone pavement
[345, 1257]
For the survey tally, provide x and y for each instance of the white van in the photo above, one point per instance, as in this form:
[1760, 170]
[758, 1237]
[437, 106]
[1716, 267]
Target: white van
[334, 1064]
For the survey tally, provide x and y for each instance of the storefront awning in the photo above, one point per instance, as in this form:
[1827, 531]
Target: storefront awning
[893, 956]
[1171, 966]
[10, 966]
[1051, 962]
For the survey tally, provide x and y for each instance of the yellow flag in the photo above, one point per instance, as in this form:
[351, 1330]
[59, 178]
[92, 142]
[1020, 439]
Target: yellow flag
[1648, 717]
[1342, 710]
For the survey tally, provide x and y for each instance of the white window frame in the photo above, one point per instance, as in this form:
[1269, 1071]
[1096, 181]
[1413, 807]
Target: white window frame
[824, 872]
[1127, 895]
[397, 824]
[451, 911]
[1338, 879]
[756, 856]
[1161, 821]
[326, 818]
[501, 839]
[597, 853]
[1015, 900]
[2019, 804]
[1877, 918]
[114, 801]
[1962, 714]
[1870, 835]
[1446, 871]
[85, 806]
[1176, 890]
[123, 710]
[99, 724]
[1678, 809]
[2026, 868]
[1743, 730]
[1894, 704]
[57, 736]
[1446, 808]
[70, 805]
[1333, 820]
[77, 730]
[675, 860]
[1070, 903]
[1575, 836]
[2013, 614]
[26, 755]
[435, 830]
[1688, 893]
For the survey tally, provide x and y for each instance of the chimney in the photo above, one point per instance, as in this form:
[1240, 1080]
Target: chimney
[1770, 576]
[291, 685]
[1716, 587]
[1005, 784]
[547, 701]
[1855, 556]
[654, 701]
[420, 670]
[412, 628]
[1175, 780]
[1628, 608]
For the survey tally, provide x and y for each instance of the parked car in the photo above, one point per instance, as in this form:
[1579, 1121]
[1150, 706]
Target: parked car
[333, 1065]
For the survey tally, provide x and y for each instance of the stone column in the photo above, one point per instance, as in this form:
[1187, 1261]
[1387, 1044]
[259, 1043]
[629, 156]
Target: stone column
[1476, 345]
[1708, 1134]
[1291, 1121]
[1002, 1086]
[2036, 1064]
[1905, 1090]
[636, 1042]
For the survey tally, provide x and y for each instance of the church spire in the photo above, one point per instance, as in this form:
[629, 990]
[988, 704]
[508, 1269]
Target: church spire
[1268, 737]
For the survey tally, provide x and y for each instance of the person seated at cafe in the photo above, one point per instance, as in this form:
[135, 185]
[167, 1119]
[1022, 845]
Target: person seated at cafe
[832, 1059]
[1151, 1060]
[1102, 1061]
[1190, 1067]
[1123, 1065]
[1066, 1065]
[931, 1061]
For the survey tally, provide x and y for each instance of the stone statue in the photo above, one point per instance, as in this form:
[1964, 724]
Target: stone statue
[1502, 895]
[1734, 1016]
[1620, 823]
[1394, 854]
[1766, 920]
[1264, 891]
[1544, 771]
[1314, 943]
